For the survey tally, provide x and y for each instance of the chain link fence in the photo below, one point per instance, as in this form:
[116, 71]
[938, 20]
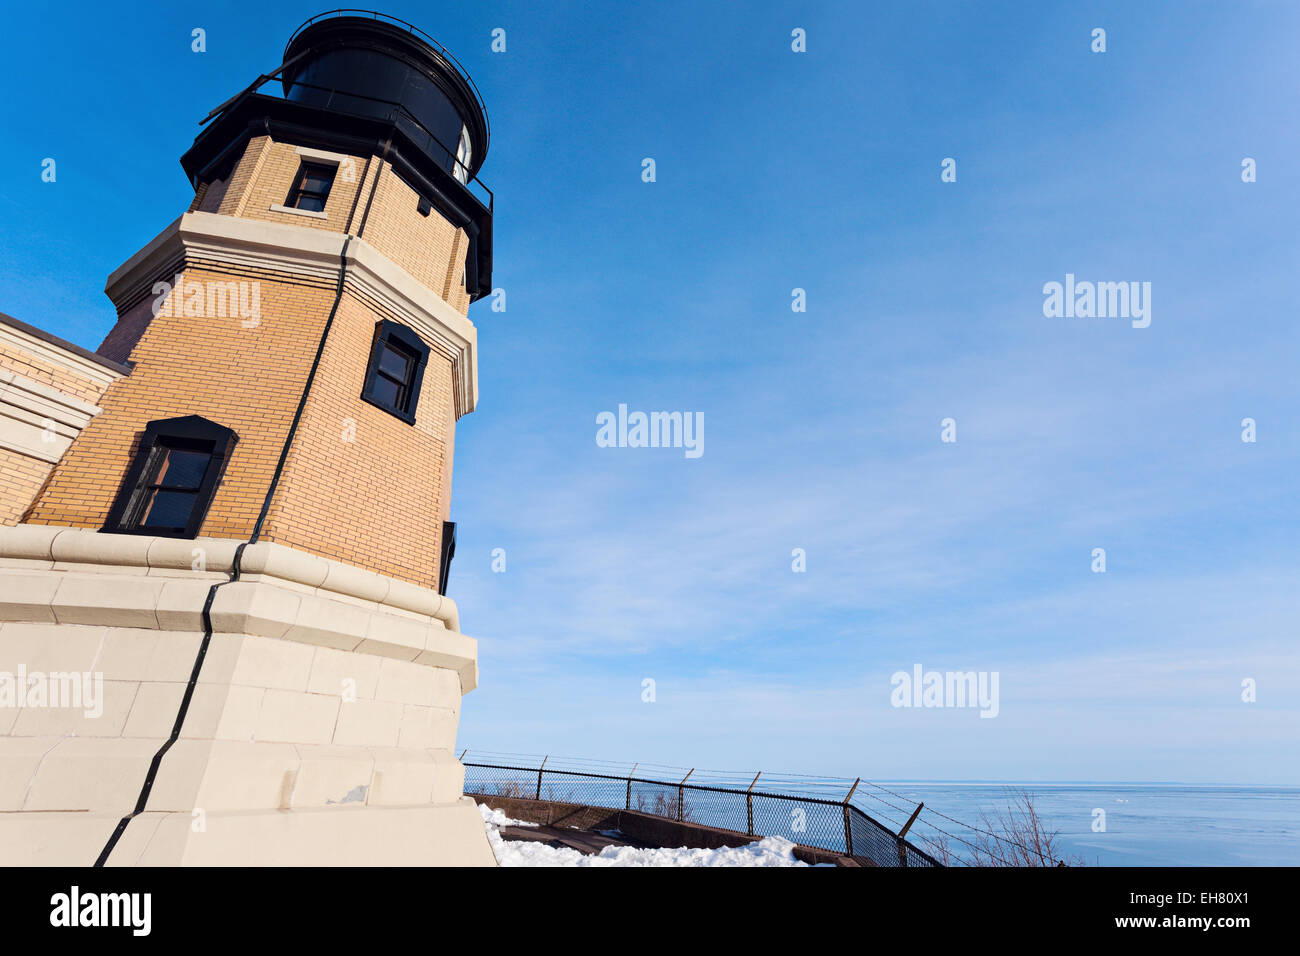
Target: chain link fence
[800, 810]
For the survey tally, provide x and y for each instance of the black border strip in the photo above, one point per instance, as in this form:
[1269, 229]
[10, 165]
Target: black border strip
[302, 402]
[320, 350]
[147, 788]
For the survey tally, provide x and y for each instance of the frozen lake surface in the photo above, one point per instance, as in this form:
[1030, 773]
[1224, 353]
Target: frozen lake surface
[1146, 824]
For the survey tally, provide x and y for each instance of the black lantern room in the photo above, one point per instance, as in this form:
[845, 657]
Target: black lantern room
[361, 82]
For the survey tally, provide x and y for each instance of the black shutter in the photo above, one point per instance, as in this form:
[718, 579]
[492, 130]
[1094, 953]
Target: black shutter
[448, 552]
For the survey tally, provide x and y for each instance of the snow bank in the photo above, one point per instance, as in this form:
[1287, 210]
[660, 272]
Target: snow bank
[771, 851]
[497, 818]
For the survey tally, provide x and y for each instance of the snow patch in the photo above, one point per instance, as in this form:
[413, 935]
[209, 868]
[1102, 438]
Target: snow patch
[496, 818]
[770, 851]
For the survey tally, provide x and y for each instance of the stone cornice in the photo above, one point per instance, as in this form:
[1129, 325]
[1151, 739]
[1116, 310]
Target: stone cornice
[311, 253]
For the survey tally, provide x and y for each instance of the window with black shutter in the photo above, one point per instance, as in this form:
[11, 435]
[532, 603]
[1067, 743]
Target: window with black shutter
[172, 478]
[396, 370]
[448, 552]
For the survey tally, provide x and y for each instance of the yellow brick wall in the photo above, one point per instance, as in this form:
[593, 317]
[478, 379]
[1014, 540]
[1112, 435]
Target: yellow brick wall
[377, 500]
[234, 196]
[265, 175]
[428, 247]
[131, 324]
[209, 196]
[23, 363]
[21, 478]
[248, 379]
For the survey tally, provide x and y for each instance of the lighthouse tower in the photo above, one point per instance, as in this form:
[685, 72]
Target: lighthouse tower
[237, 561]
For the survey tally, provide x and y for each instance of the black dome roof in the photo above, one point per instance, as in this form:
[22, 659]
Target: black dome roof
[370, 64]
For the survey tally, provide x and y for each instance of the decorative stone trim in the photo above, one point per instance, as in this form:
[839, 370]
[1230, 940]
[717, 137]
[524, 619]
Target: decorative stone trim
[311, 253]
[311, 213]
[322, 155]
[64, 575]
[62, 355]
[37, 420]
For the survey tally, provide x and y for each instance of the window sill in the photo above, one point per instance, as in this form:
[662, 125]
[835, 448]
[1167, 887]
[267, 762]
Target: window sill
[276, 207]
[152, 532]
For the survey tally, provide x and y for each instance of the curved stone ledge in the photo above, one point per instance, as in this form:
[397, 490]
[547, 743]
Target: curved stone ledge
[52, 574]
[60, 545]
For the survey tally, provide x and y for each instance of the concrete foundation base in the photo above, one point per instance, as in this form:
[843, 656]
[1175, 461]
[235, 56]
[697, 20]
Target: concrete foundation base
[320, 728]
[342, 836]
[335, 836]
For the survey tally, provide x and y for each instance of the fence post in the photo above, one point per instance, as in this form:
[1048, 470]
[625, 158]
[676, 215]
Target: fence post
[902, 834]
[681, 795]
[539, 775]
[629, 785]
[848, 825]
[749, 803]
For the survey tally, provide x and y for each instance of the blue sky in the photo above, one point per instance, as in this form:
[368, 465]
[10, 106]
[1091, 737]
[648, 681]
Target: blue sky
[820, 171]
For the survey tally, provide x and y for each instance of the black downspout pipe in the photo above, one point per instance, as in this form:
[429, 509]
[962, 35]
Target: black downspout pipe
[143, 800]
[302, 402]
[320, 350]
[147, 788]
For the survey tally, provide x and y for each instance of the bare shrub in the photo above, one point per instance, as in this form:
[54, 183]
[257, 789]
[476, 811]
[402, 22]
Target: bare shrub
[1014, 835]
[664, 806]
[941, 849]
[512, 788]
